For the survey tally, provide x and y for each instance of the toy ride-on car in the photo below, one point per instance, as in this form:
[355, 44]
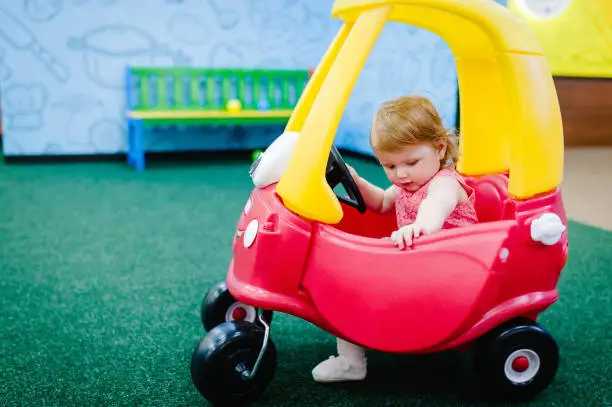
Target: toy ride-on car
[302, 249]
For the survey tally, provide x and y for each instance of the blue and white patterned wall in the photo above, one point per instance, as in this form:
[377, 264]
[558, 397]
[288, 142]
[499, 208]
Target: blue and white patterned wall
[62, 62]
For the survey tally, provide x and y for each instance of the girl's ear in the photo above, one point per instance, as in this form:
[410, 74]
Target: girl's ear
[441, 150]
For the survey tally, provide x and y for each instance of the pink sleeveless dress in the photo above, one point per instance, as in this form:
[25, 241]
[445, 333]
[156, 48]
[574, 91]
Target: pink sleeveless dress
[407, 204]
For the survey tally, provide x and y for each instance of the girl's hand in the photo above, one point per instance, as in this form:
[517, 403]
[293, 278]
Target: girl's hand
[404, 236]
[353, 172]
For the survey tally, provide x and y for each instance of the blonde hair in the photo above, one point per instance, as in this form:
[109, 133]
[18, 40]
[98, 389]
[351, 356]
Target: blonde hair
[410, 120]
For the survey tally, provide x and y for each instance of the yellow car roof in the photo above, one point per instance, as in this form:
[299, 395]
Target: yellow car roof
[510, 116]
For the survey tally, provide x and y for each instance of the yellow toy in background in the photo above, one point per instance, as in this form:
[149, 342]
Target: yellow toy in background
[233, 106]
[576, 36]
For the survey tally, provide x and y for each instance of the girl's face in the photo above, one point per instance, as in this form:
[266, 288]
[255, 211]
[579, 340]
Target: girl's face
[412, 166]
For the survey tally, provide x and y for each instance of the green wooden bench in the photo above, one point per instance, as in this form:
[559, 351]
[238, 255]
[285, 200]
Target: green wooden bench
[164, 95]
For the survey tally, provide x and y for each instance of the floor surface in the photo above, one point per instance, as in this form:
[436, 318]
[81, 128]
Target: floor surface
[104, 270]
[587, 186]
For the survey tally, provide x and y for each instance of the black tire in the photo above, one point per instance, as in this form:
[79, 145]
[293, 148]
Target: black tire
[218, 301]
[497, 364]
[214, 364]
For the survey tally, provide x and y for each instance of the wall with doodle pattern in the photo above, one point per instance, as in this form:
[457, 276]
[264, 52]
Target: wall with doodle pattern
[62, 62]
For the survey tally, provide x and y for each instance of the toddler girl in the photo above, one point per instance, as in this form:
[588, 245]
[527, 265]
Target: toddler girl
[418, 155]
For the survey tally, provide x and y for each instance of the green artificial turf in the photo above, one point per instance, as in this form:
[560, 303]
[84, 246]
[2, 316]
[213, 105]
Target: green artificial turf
[104, 269]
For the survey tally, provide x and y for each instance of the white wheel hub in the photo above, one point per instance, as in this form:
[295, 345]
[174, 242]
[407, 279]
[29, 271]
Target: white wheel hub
[240, 311]
[522, 366]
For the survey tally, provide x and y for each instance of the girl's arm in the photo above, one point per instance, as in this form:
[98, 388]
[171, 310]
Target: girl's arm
[443, 195]
[376, 199]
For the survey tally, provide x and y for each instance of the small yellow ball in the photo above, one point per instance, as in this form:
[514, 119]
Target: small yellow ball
[233, 106]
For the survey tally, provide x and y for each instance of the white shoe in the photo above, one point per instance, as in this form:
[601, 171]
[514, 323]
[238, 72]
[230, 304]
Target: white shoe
[339, 369]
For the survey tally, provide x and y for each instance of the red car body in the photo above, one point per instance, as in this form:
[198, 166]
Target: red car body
[450, 288]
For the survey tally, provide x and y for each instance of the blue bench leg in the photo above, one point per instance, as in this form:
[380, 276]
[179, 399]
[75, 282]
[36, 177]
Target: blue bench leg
[138, 156]
[130, 142]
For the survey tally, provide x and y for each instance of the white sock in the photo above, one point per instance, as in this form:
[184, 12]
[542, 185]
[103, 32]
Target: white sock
[351, 351]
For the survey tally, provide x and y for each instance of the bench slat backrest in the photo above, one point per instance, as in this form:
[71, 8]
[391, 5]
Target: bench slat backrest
[166, 88]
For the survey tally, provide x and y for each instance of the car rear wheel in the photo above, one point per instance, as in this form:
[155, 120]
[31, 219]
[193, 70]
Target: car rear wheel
[517, 360]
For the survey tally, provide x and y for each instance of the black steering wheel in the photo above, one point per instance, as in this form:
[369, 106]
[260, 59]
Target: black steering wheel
[338, 173]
